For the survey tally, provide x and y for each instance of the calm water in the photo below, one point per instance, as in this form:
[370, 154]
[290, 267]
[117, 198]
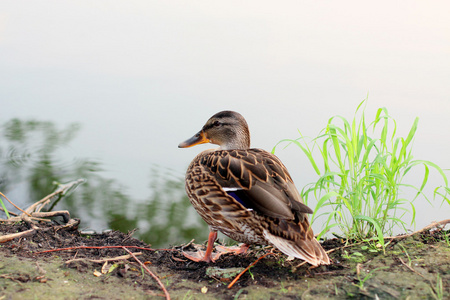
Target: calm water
[37, 155]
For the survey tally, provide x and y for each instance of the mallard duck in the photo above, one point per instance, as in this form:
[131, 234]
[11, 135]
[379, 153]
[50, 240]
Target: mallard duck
[247, 193]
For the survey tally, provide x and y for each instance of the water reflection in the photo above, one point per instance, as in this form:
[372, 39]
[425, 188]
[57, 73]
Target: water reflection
[33, 160]
[166, 217]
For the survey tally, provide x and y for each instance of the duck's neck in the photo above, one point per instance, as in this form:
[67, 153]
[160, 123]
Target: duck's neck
[241, 141]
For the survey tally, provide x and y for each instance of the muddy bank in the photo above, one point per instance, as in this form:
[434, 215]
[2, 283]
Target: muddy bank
[417, 267]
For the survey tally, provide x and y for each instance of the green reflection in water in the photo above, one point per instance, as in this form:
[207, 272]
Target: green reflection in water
[167, 217]
[32, 159]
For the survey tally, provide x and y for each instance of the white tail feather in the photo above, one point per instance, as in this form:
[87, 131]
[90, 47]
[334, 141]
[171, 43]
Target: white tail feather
[290, 248]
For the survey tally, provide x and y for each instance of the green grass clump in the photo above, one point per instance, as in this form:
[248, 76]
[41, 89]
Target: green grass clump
[363, 176]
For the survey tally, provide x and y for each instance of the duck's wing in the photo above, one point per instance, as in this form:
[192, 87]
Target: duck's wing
[258, 180]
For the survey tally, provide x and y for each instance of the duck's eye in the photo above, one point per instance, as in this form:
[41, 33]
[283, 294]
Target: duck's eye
[217, 124]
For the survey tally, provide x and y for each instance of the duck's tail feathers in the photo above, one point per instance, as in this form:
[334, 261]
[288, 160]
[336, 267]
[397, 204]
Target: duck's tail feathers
[308, 250]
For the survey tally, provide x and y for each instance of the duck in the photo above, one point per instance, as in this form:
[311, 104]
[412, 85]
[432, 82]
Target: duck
[247, 193]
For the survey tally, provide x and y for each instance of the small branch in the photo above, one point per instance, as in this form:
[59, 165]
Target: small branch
[43, 201]
[100, 261]
[410, 268]
[7, 276]
[246, 269]
[10, 212]
[305, 262]
[8, 237]
[1, 194]
[429, 227]
[39, 216]
[61, 213]
[62, 190]
[150, 272]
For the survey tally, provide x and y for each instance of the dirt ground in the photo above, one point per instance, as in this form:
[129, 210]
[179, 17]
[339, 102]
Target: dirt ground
[416, 267]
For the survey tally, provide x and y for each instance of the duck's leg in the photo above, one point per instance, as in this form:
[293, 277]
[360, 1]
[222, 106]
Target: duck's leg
[207, 257]
[210, 256]
[209, 248]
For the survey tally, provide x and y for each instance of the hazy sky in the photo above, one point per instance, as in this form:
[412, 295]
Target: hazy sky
[141, 76]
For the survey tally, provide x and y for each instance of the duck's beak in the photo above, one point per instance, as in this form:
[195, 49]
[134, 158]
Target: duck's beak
[197, 139]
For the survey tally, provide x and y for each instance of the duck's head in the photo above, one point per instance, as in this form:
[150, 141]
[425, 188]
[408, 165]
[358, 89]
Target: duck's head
[228, 129]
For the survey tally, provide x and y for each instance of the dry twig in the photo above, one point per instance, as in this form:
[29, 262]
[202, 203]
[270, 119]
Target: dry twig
[8, 237]
[103, 260]
[246, 269]
[429, 227]
[410, 268]
[1, 194]
[150, 272]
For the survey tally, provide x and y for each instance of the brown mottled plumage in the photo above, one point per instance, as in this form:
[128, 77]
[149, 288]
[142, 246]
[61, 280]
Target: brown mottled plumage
[247, 194]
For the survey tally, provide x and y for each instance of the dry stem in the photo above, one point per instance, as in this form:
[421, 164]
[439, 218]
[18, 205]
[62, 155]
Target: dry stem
[100, 261]
[150, 272]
